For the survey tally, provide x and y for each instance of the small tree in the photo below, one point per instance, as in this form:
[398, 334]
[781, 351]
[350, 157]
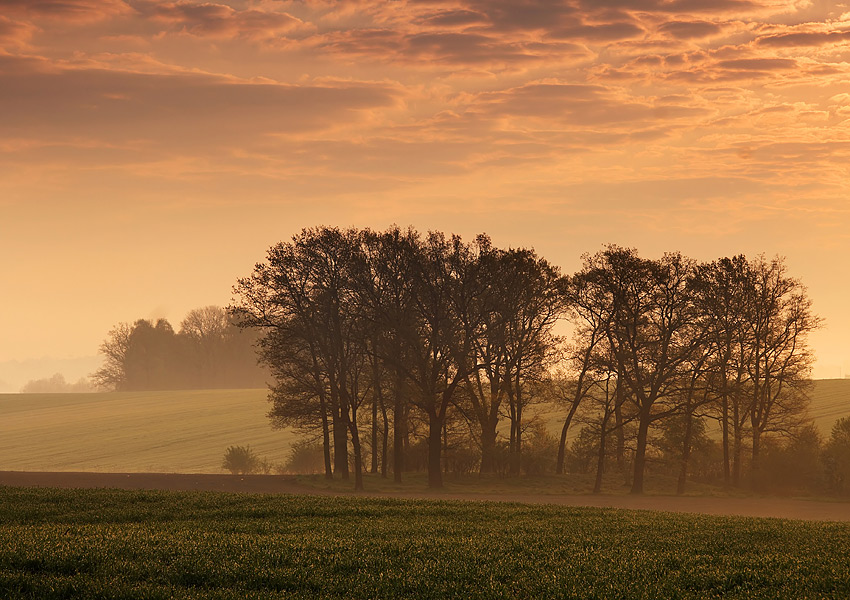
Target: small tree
[241, 460]
[837, 457]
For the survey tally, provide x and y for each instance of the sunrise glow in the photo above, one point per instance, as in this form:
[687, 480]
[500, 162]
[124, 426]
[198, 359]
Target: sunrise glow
[150, 152]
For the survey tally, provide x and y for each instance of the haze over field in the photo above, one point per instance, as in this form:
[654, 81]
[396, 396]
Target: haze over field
[150, 152]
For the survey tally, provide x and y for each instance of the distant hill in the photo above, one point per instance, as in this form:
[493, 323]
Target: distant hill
[830, 402]
[178, 431]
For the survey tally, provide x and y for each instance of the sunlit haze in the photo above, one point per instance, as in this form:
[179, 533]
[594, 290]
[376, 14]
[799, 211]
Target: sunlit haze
[150, 152]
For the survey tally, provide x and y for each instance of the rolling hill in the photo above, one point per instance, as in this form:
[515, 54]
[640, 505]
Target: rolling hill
[188, 431]
[830, 402]
[175, 431]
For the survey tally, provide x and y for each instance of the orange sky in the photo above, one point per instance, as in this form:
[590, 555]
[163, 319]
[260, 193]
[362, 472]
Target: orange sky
[151, 151]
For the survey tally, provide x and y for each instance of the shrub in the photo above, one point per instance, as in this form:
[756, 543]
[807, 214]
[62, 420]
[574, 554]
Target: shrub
[539, 451]
[794, 465]
[306, 457]
[241, 460]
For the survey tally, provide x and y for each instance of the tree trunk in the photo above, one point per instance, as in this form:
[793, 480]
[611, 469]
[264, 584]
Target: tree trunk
[340, 443]
[385, 433]
[358, 456]
[562, 445]
[399, 430]
[516, 455]
[727, 477]
[618, 422]
[435, 434]
[488, 450]
[737, 447]
[374, 435]
[600, 459]
[326, 438]
[755, 466]
[640, 452]
[686, 454]
[445, 447]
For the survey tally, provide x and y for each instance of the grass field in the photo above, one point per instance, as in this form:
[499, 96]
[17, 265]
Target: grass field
[180, 431]
[188, 431]
[122, 544]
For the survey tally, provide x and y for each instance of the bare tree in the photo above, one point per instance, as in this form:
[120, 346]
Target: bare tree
[779, 320]
[650, 332]
[112, 375]
[305, 290]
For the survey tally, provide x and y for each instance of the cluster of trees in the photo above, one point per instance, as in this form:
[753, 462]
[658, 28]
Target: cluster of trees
[57, 384]
[404, 335]
[664, 344]
[208, 351]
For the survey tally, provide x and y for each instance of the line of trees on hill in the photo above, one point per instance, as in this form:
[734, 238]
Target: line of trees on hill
[208, 351]
[437, 350]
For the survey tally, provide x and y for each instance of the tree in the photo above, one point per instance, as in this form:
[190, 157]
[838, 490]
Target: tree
[304, 296]
[590, 318]
[779, 319]
[836, 457]
[113, 375]
[720, 294]
[516, 297]
[436, 342]
[651, 333]
[57, 385]
[153, 360]
[206, 331]
[387, 298]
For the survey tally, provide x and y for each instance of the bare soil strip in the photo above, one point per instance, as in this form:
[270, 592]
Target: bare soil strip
[785, 508]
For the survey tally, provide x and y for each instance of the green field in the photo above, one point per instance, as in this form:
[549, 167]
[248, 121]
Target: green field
[180, 431]
[122, 544]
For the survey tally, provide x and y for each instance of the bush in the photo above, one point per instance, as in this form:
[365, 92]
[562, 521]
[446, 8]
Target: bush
[795, 465]
[306, 457]
[539, 451]
[241, 460]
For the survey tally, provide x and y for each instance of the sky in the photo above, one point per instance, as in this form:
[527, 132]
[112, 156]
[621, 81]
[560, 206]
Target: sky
[151, 152]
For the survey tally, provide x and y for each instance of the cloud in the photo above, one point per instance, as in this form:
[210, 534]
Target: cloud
[608, 32]
[674, 6]
[685, 30]
[567, 105]
[67, 10]
[171, 112]
[14, 33]
[452, 18]
[814, 38]
[758, 64]
[526, 15]
[441, 49]
[221, 20]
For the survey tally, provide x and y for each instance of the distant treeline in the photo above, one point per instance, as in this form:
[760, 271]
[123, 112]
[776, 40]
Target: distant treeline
[58, 385]
[207, 352]
[399, 347]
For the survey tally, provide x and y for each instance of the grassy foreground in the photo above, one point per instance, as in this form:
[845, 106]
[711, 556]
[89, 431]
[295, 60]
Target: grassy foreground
[121, 544]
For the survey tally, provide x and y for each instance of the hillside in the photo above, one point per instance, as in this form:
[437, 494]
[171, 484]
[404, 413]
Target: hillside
[188, 431]
[177, 431]
[830, 401]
